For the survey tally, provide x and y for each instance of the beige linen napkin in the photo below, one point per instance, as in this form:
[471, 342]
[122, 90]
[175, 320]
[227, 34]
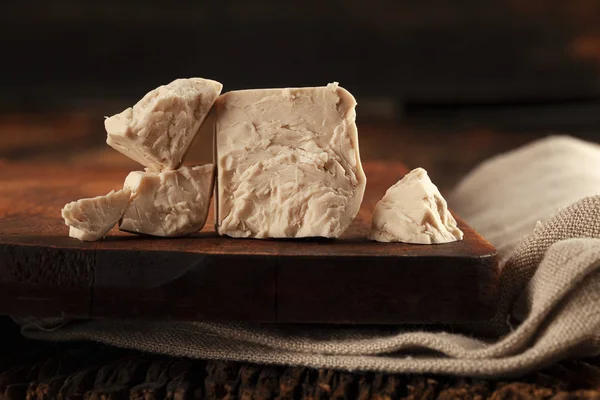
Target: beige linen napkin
[550, 286]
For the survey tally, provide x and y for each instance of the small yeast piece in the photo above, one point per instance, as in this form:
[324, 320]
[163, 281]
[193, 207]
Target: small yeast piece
[288, 162]
[91, 219]
[414, 211]
[158, 130]
[169, 203]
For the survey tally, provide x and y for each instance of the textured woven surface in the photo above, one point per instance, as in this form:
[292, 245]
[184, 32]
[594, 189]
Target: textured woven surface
[77, 371]
[550, 301]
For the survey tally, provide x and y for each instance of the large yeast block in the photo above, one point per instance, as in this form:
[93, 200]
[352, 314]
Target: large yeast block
[288, 162]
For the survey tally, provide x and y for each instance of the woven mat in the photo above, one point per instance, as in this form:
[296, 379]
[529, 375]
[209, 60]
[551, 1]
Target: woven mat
[37, 370]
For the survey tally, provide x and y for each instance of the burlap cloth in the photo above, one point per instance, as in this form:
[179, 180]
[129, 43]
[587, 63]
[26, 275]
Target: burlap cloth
[550, 286]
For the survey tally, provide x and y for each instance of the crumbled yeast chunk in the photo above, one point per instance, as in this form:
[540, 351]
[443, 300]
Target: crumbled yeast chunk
[288, 162]
[91, 219]
[169, 203]
[414, 211]
[158, 130]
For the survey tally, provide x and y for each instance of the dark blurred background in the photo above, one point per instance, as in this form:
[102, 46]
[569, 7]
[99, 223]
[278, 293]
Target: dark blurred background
[503, 66]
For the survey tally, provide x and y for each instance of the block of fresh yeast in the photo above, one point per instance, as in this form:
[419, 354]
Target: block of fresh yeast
[90, 219]
[169, 203]
[158, 130]
[414, 211]
[288, 162]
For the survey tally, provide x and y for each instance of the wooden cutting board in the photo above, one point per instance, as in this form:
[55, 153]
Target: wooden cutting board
[43, 272]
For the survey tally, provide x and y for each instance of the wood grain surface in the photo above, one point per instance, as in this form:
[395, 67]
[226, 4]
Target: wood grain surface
[43, 272]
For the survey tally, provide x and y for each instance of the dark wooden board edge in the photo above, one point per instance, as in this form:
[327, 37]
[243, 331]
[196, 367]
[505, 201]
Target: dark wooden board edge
[193, 286]
[385, 290]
